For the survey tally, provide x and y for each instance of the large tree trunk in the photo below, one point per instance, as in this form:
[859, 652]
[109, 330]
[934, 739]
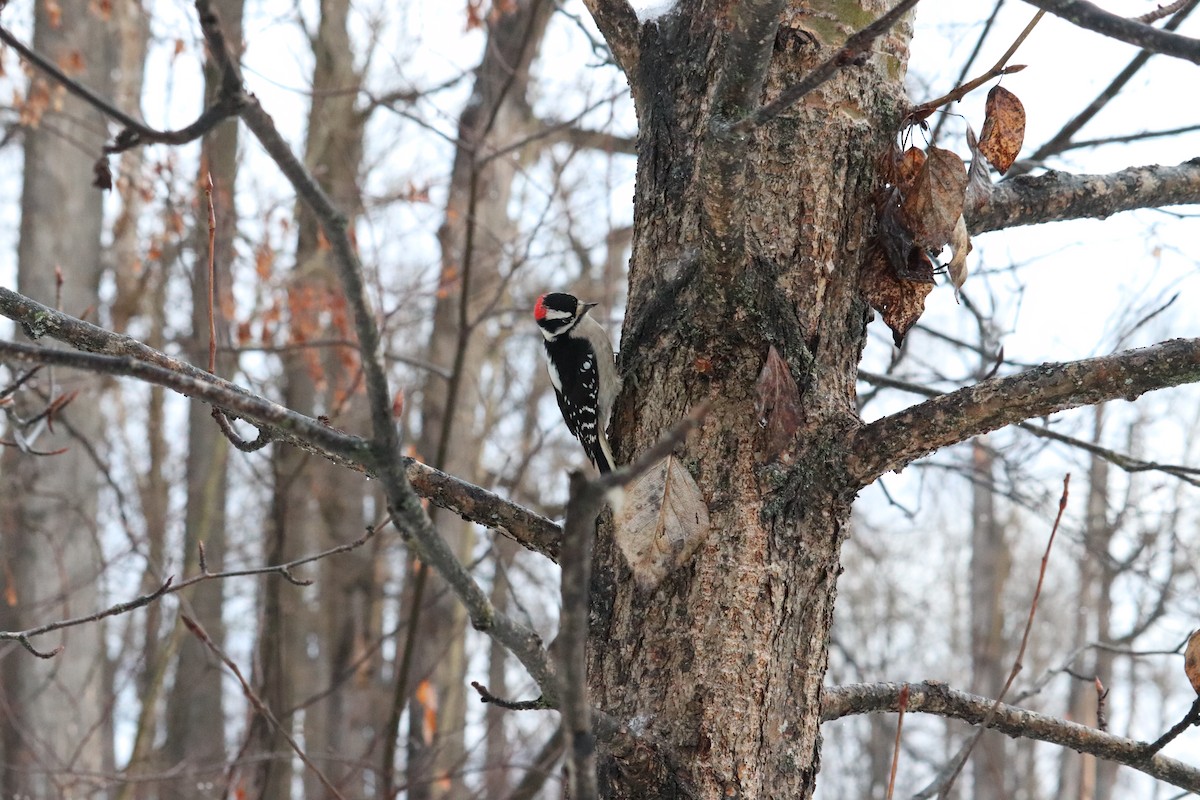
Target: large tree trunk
[724, 661]
[53, 718]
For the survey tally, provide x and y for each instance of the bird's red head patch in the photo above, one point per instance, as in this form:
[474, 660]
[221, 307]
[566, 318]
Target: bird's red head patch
[539, 308]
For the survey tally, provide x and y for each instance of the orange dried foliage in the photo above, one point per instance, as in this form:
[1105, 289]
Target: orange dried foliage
[35, 106]
[10, 585]
[1003, 128]
[416, 194]
[72, 63]
[264, 260]
[1191, 661]
[101, 8]
[898, 300]
[935, 202]
[244, 333]
[53, 13]
[474, 14]
[427, 697]
[447, 281]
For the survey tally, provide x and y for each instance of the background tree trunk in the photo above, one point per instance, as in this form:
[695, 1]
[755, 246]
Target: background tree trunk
[724, 661]
[316, 504]
[474, 238]
[195, 711]
[53, 728]
[990, 564]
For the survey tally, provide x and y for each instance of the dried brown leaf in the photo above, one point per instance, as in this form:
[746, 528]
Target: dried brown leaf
[900, 302]
[661, 522]
[979, 180]
[935, 202]
[1003, 128]
[1191, 661]
[909, 168]
[777, 406]
[960, 246]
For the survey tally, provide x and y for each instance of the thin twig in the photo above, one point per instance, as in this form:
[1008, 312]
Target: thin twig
[999, 68]
[212, 288]
[485, 696]
[891, 789]
[170, 587]
[258, 704]
[135, 132]
[1189, 719]
[1017, 663]
[1160, 12]
[969, 63]
[119, 608]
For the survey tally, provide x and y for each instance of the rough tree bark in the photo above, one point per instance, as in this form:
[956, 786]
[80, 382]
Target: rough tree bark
[752, 236]
[724, 661]
[52, 718]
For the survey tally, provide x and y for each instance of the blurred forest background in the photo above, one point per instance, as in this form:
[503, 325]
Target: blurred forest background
[484, 153]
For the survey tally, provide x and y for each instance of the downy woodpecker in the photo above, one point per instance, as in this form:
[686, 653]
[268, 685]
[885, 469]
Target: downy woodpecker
[580, 360]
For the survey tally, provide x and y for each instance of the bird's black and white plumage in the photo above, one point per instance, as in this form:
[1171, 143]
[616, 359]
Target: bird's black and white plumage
[580, 360]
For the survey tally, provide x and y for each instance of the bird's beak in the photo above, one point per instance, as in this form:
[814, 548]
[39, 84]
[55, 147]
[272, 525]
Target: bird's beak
[587, 307]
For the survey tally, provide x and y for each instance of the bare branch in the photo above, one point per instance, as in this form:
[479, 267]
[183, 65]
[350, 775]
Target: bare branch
[1192, 717]
[1162, 11]
[934, 697]
[117, 354]
[1090, 16]
[1054, 196]
[120, 608]
[1001, 67]
[135, 131]
[619, 25]
[259, 706]
[1061, 141]
[893, 441]
[1123, 461]
[583, 509]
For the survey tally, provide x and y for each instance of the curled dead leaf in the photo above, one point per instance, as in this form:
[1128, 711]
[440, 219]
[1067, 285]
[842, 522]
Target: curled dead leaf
[960, 246]
[979, 180]
[777, 406]
[1003, 128]
[1191, 660]
[662, 520]
[909, 167]
[935, 202]
[899, 301]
